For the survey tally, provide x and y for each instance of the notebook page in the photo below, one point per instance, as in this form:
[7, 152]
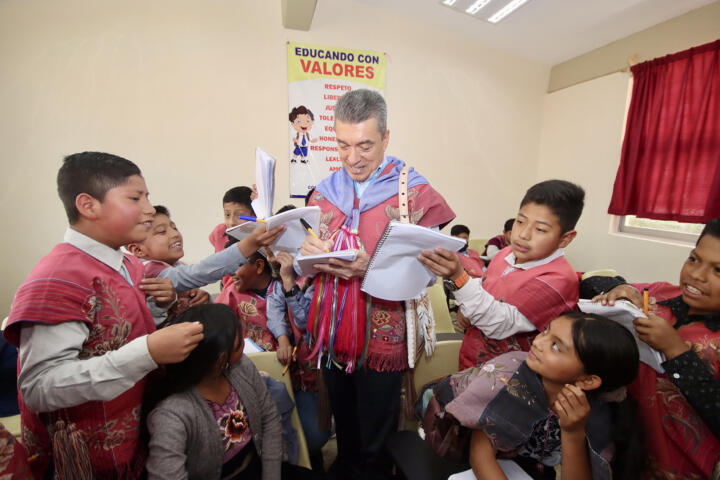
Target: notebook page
[306, 262]
[394, 272]
[292, 238]
[264, 182]
[624, 313]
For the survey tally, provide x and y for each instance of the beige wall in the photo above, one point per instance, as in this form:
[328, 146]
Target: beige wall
[187, 89]
[694, 28]
[581, 138]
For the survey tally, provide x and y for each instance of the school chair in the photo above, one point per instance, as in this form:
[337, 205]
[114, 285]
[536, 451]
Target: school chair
[478, 244]
[443, 322]
[413, 458]
[268, 362]
[444, 360]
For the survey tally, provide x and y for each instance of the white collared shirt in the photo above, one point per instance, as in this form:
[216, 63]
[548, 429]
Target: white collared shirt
[99, 251]
[51, 374]
[498, 320]
[360, 187]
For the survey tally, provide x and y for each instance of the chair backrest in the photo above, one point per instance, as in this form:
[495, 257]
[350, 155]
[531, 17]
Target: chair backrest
[268, 362]
[443, 322]
[443, 361]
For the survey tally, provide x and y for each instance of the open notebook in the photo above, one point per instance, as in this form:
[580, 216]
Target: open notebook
[306, 262]
[624, 313]
[292, 238]
[394, 271]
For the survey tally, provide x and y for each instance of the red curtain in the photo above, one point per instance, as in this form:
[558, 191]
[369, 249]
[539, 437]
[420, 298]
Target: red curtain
[670, 163]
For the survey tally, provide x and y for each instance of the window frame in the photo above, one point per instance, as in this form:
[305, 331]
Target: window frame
[620, 227]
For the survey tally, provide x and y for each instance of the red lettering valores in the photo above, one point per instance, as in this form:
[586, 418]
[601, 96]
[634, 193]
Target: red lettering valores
[337, 69]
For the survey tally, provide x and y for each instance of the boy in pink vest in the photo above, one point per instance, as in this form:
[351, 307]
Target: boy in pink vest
[236, 202]
[162, 250]
[526, 284]
[86, 338]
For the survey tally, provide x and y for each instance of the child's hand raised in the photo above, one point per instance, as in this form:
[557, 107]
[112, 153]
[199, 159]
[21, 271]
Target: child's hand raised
[441, 262]
[624, 292]
[660, 335]
[286, 265]
[174, 343]
[573, 410]
[260, 237]
[198, 297]
[161, 289]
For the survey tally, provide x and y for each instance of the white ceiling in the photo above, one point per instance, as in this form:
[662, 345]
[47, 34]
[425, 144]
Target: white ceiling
[548, 31]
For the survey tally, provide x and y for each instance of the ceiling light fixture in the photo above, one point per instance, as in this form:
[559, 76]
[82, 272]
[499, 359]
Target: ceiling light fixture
[506, 10]
[477, 6]
[449, 3]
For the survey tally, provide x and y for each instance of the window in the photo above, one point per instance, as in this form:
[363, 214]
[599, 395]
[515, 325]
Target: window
[686, 233]
[670, 168]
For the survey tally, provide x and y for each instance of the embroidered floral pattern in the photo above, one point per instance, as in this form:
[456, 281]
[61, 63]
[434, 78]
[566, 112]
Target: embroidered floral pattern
[103, 309]
[7, 448]
[248, 309]
[236, 425]
[114, 432]
[680, 416]
[520, 390]
[232, 421]
[325, 221]
[499, 373]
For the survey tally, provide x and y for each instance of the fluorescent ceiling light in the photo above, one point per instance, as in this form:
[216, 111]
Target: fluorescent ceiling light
[449, 3]
[475, 7]
[506, 10]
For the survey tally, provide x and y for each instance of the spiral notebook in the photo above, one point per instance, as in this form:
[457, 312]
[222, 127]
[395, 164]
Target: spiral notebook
[394, 271]
[294, 235]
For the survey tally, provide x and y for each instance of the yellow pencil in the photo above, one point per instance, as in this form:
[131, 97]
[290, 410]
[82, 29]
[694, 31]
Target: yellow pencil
[309, 229]
[646, 301]
[291, 357]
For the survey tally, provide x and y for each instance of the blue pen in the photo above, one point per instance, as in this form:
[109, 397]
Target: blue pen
[250, 219]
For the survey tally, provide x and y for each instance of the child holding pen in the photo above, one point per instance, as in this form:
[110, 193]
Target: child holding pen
[293, 300]
[680, 410]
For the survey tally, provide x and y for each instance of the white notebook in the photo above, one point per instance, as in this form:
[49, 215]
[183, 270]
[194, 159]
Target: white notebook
[306, 262]
[264, 182]
[624, 313]
[394, 272]
[291, 240]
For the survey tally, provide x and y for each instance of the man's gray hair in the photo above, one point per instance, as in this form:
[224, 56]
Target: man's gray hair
[359, 105]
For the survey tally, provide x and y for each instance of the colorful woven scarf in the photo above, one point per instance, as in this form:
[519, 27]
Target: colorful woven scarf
[337, 321]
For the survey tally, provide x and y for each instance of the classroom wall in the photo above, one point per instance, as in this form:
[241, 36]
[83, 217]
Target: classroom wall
[188, 89]
[580, 140]
[693, 28]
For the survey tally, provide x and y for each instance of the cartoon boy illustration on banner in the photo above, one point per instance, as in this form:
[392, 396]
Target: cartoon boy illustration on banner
[301, 119]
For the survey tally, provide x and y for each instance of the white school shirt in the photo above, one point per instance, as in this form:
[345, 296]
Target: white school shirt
[52, 376]
[497, 320]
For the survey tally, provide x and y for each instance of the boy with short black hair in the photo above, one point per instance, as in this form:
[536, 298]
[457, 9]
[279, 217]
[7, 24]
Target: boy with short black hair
[527, 284]
[498, 242]
[236, 201]
[162, 250]
[470, 259]
[86, 338]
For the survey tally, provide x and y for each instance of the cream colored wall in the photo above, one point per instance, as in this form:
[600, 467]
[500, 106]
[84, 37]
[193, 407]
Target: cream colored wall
[694, 28]
[581, 138]
[187, 89]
